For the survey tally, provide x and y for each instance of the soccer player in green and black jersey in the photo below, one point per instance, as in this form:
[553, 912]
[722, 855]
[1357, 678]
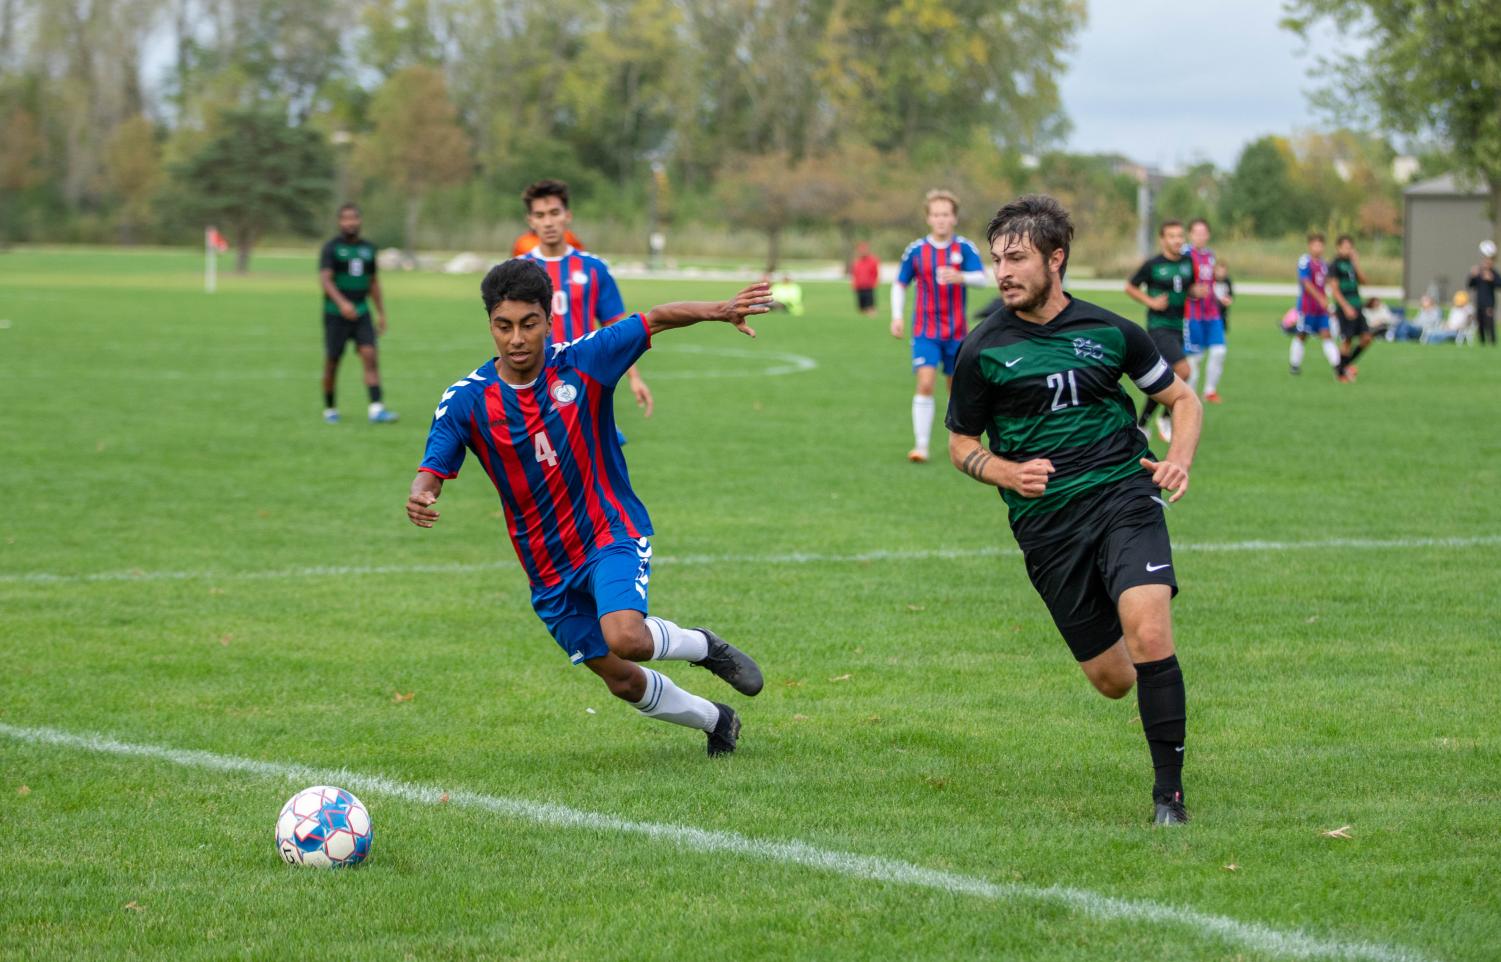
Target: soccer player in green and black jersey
[1041, 377]
[1167, 277]
[1354, 332]
[346, 271]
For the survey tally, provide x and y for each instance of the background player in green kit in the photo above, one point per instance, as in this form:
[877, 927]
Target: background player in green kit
[1167, 278]
[1041, 377]
[1354, 332]
[346, 270]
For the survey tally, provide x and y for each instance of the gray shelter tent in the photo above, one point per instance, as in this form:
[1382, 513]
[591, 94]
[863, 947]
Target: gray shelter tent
[1443, 223]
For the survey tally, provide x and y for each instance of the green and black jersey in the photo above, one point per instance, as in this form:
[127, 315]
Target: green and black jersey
[1165, 276]
[1345, 275]
[1053, 391]
[353, 264]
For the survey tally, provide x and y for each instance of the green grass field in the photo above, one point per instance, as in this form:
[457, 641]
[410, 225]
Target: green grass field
[193, 561]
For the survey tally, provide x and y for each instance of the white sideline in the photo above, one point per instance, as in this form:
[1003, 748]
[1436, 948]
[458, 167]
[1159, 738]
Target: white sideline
[787, 558]
[1288, 943]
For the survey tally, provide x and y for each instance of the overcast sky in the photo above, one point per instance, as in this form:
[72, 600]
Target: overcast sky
[1241, 74]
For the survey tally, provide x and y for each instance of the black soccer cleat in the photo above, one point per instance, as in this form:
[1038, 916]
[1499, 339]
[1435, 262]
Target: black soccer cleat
[1170, 810]
[731, 664]
[726, 734]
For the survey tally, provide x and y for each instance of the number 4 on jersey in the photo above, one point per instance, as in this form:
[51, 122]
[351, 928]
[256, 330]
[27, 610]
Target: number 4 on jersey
[543, 447]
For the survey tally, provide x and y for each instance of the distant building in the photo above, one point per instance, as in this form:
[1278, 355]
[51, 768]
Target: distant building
[1443, 222]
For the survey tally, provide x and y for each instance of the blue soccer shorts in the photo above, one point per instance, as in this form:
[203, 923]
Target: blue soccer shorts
[614, 578]
[1313, 323]
[931, 352]
[1202, 335]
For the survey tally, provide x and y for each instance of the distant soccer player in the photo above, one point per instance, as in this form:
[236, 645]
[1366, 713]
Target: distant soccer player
[941, 264]
[1313, 307]
[1041, 378]
[584, 291]
[1354, 331]
[1206, 324]
[540, 418]
[1167, 277]
[346, 271]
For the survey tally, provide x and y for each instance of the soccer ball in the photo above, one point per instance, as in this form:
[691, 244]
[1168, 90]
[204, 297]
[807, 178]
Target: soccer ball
[323, 827]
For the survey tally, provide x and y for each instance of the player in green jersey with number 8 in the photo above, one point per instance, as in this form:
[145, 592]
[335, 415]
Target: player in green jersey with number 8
[1041, 377]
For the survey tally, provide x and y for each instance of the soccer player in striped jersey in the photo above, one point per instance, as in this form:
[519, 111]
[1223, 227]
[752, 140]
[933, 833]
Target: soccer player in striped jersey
[584, 293]
[1313, 308]
[1205, 332]
[1041, 378]
[942, 265]
[540, 418]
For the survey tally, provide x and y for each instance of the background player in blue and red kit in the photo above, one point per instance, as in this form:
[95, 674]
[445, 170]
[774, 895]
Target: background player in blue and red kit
[540, 418]
[1313, 307]
[941, 264]
[1204, 337]
[584, 292]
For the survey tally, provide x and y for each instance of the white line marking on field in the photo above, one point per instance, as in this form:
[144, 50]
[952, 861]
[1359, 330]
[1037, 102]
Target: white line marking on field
[1289, 943]
[785, 558]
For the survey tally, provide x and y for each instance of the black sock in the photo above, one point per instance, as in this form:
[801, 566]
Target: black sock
[328, 399]
[1146, 411]
[1354, 353]
[375, 394]
[1160, 698]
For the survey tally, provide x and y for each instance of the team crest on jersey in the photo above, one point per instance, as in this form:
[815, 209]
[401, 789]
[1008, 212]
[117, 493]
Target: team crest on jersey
[564, 393]
[579, 277]
[1084, 347]
[956, 256]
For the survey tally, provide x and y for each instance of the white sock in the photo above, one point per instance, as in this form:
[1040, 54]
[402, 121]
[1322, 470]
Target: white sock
[1193, 372]
[1331, 351]
[1214, 368]
[922, 421]
[668, 702]
[1295, 352]
[671, 643]
[376, 407]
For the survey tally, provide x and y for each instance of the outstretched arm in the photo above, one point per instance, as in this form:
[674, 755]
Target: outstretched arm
[1028, 479]
[426, 488]
[755, 299]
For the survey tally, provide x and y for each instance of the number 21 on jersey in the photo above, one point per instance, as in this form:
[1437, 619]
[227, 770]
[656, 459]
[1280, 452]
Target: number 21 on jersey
[544, 450]
[1058, 382]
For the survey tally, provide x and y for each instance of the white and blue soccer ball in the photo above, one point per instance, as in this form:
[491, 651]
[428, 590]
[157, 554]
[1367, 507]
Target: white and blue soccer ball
[323, 827]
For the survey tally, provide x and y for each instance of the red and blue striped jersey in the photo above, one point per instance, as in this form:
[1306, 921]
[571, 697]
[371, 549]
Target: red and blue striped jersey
[1206, 308]
[584, 295]
[1311, 269]
[551, 449]
[939, 309]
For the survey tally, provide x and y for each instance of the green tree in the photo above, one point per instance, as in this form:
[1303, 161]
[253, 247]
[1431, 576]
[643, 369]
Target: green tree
[1430, 71]
[132, 168]
[255, 173]
[417, 144]
[1260, 195]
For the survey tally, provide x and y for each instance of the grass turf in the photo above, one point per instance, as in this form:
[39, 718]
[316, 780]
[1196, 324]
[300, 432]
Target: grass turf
[919, 708]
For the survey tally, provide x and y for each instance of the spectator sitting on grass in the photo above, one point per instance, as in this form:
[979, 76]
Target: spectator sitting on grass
[1379, 316]
[787, 295]
[1457, 327]
[1428, 319]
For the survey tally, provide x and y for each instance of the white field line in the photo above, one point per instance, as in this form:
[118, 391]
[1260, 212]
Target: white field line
[1286, 943]
[787, 558]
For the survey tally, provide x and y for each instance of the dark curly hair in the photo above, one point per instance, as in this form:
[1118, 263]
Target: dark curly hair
[517, 279]
[1038, 218]
[545, 188]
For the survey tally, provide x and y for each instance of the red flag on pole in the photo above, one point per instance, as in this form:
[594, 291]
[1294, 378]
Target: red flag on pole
[217, 241]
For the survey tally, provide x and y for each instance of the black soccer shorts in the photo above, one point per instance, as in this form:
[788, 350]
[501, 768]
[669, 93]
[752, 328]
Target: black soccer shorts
[1169, 344]
[337, 332]
[1118, 540]
[1353, 327]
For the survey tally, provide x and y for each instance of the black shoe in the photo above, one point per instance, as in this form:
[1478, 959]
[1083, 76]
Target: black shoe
[731, 664]
[1170, 810]
[726, 734]
[1294, 369]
